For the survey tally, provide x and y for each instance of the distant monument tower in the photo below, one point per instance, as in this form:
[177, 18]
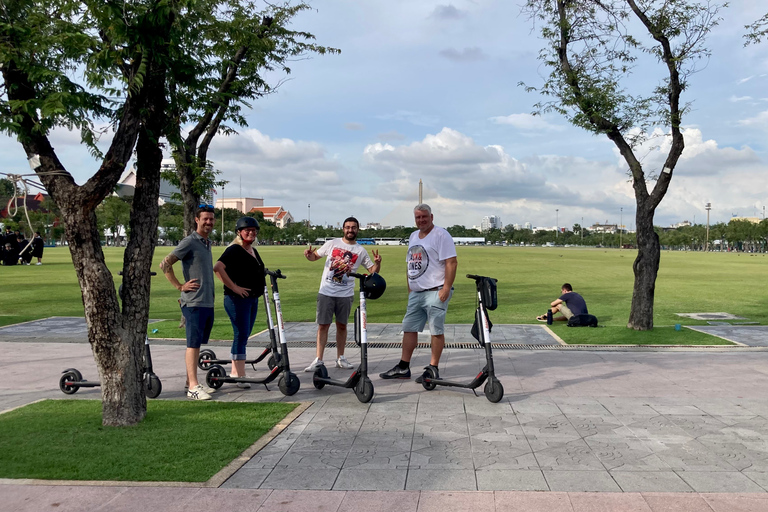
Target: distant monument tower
[420, 187]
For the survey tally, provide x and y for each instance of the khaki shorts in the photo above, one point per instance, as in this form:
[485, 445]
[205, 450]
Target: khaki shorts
[564, 310]
[329, 307]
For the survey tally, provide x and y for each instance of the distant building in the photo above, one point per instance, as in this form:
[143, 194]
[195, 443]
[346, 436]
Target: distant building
[604, 228]
[528, 226]
[126, 187]
[490, 222]
[276, 214]
[753, 220]
[683, 224]
[375, 225]
[516, 227]
[33, 201]
[241, 204]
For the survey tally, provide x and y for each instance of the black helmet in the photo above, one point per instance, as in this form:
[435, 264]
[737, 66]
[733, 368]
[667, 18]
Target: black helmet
[246, 222]
[374, 286]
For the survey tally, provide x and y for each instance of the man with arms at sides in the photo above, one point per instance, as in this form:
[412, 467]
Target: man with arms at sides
[337, 289]
[197, 293]
[432, 267]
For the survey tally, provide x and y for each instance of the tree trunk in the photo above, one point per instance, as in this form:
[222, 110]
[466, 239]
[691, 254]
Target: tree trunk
[190, 199]
[646, 268]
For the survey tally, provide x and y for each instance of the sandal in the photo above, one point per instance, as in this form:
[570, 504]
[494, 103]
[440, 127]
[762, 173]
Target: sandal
[542, 318]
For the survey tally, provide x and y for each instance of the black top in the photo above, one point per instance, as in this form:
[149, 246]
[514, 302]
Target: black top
[244, 270]
[575, 303]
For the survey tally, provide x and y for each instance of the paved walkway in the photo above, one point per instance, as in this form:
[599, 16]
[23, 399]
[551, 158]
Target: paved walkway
[661, 430]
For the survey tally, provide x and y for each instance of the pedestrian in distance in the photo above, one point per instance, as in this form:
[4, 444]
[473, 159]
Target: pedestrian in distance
[431, 269]
[25, 250]
[197, 293]
[336, 295]
[37, 247]
[241, 270]
[567, 305]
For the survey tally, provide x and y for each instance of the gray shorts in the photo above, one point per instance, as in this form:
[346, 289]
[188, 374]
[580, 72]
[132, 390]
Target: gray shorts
[426, 307]
[328, 307]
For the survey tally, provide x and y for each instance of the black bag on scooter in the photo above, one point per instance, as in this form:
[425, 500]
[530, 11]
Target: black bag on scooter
[477, 330]
[488, 293]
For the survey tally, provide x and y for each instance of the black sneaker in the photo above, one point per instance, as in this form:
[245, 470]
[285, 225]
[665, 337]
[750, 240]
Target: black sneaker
[420, 378]
[396, 373]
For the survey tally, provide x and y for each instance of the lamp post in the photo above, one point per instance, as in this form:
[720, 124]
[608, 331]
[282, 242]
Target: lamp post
[581, 226]
[621, 225]
[309, 221]
[707, 207]
[557, 221]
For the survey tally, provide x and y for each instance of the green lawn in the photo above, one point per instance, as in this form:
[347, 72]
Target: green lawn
[529, 278]
[178, 441]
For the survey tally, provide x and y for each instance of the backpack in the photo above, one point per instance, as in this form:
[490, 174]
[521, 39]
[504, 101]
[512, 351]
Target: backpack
[582, 321]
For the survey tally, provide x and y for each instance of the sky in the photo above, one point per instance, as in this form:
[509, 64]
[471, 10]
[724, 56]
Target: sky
[430, 90]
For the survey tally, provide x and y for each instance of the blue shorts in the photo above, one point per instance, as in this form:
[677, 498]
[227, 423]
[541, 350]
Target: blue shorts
[426, 307]
[199, 325]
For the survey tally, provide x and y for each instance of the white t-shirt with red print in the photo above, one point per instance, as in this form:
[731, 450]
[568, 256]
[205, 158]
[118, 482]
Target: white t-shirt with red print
[341, 259]
[426, 258]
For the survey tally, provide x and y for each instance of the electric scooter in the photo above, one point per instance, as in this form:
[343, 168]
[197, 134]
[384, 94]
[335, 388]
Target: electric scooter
[481, 330]
[208, 357]
[72, 380]
[289, 383]
[371, 286]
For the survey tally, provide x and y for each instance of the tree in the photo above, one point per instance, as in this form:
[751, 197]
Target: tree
[591, 51]
[756, 31]
[229, 75]
[114, 213]
[118, 48]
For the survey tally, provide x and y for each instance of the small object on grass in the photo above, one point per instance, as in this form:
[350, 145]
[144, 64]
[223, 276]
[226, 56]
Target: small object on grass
[678, 327]
[154, 331]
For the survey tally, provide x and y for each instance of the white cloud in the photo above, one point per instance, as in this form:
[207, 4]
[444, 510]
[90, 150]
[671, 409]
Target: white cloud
[448, 12]
[735, 99]
[526, 122]
[759, 121]
[472, 54]
[416, 118]
[747, 79]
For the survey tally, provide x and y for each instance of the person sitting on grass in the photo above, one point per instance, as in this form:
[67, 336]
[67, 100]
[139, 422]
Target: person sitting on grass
[568, 304]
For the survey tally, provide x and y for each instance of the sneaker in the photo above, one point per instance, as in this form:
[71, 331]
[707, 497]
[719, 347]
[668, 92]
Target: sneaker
[203, 387]
[396, 373]
[342, 362]
[39, 263]
[312, 367]
[420, 378]
[244, 385]
[197, 393]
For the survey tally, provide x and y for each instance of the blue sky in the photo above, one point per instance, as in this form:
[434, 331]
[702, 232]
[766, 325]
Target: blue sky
[429, 90]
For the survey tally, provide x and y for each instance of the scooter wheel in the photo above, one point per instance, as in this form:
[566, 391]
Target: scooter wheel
[364, 390]
[289, 384]
[71, 376]
[152, 385]
[430, 373]
[204, 358]
[494, 391]
[273, 361]
[320, 373]
[214, 375]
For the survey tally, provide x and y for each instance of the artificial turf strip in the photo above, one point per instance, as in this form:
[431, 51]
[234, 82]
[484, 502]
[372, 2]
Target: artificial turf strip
[178, 441]
[613, 335]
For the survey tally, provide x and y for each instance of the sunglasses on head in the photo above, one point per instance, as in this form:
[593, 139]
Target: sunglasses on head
[205, 206]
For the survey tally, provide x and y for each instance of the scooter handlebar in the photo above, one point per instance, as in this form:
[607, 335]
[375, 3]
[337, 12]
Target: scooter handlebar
[473, 276]
[358, 276]
[276, 273]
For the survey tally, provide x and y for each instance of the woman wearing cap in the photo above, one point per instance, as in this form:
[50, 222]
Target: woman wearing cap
[241, 270]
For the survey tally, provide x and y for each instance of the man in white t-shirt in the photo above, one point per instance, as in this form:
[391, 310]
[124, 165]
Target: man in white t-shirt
[431, 271]
[337, 289]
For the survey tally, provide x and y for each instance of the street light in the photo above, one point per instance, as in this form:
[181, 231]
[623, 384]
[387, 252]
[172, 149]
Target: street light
[309, 221]
[707, 207]
[557, 221]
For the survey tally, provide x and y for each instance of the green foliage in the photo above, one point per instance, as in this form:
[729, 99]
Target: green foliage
[757, 31]
[114, 213]
[64, 440]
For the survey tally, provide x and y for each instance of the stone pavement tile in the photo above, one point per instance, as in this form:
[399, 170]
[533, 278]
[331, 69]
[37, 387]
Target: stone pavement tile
[710, 481]
[737, 502]
[380, 501]
[559, 454]
[441, 480]
[388, 442]
[301, 478]
[650, 481]
[321, 441]
[629, 406]
[498, 423]
[608, 502]
[581, 407]
[376, 458]
[722, 407]
[171, 499]
[698, 425]
[485, 408]
[532, 502]
[752, 429]
[330, 459]
[245, 500]
[535, 406]
[511, 480]
[454, 423]
[580, 481]
[655, 427]
[606, 424]
[503, 455]
[759, 477]
[302, 501]
[544, 425]
[247, 478]
[363, 479]
[668, 502]
[676, 410]
[455, 501]
[742, 455]
[266, 458]
[688, 456]
[624, 454]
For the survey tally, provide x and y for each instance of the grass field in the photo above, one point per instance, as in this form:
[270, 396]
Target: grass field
[529, 279]
[178, 441]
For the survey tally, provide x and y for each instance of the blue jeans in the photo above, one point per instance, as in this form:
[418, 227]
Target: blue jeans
[242, 314]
